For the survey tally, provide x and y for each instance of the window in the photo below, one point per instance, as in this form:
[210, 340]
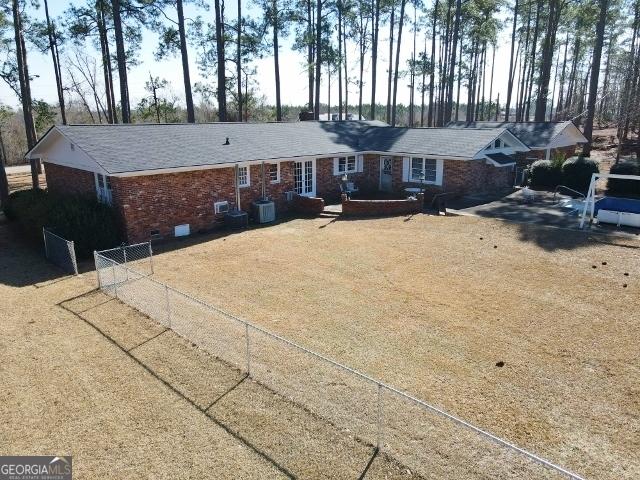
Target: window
[347, 164]
[273, 172]
[424, 166]
[498, 143]
[243, 176]
[103, 188]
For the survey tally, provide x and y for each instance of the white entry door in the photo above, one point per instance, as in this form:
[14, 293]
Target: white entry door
[304, 178]
[386, 174]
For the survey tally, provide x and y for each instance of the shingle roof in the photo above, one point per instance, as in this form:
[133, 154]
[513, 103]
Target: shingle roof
[532, 134]
[136, 147]
[501, 158]
[446, 142]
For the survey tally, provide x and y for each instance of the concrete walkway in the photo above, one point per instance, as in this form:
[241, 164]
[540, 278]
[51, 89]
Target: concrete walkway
[544, 210]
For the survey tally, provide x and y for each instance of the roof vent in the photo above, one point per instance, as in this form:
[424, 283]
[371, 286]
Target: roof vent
[226, 142]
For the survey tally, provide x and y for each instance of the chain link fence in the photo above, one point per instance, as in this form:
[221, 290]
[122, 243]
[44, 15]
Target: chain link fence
[418, 435]
[60, 251]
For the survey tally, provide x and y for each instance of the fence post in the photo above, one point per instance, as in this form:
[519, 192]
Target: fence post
[246, 327]
[124, 256]
[150, 257]
[95, 260]
[115, 283]
[380, 422]
[46, 247]
[168, 305]
[72, 253]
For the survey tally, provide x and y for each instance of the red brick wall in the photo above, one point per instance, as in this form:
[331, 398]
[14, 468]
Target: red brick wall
[460, 177]
[328, 184]
[69, 180]
[160, 202]
[370, 208]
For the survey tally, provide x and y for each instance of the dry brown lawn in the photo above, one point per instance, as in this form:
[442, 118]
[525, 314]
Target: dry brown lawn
[85, 375]
[432, 304]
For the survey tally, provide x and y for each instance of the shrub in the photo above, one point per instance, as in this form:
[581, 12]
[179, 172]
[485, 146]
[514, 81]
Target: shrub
[577, 171]
[624, 188]
[90, 224]
[545, 174]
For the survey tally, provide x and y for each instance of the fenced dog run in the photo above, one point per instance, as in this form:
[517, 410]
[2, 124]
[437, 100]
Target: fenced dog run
[60, 251]
[421, 436]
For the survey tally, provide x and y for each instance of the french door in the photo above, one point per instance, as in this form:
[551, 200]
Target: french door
[304, 178]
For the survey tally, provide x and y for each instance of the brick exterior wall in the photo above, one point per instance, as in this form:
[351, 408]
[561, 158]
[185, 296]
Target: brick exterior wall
[460, 177]
[328, 184]
[375, 208]
[160, 202]
[69, 180]
[157, 203]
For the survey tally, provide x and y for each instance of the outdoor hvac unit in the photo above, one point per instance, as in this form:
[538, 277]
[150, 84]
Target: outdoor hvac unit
[221, 207]
[264, 211]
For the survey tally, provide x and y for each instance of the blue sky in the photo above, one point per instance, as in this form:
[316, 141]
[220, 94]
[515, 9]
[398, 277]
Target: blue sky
[292, 69]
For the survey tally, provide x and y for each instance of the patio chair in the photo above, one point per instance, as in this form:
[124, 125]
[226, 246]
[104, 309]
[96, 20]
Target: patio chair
[348, 188]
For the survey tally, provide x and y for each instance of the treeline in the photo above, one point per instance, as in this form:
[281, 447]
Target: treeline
[568, 59]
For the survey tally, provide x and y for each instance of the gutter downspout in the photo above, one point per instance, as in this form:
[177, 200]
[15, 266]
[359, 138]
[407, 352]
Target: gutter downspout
[237, 170]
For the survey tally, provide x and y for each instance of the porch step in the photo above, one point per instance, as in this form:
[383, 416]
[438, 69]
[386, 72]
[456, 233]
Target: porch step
[333, 210]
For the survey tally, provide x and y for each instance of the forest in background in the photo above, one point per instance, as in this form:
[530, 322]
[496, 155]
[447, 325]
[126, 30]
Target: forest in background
[569, 59]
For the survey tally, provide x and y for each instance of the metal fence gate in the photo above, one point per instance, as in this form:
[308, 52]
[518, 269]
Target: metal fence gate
[60, 251]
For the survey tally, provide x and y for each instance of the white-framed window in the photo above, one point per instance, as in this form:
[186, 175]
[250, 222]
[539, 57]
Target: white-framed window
[347, 164]
[424, 170]
[243, 176]
[103, 188]
[497, 143]
[273, 172]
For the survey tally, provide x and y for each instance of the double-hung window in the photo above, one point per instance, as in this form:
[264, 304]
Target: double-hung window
[347, 164]
[103, 188]
[243, 176]
[273, 172]
[424, 170]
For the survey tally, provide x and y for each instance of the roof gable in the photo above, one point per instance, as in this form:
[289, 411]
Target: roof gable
[535, 135]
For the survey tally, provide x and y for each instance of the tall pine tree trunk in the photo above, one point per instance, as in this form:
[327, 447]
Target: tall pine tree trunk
[563, 77]
[239, 56]
[106, 64]
[56, 65]
[595, 76]
[222, 82]
[374, 56]
[316, 111]
[122, 62]
[547, 60]
[452, 67]
[390, 72]
[310, 53]
[403, 3]
[339, 7]
[276, 62]
[432, 73]
[184, 54]
[511, 64]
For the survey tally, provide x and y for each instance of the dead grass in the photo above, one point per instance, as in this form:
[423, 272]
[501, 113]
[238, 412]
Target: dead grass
[432, 304]
[22, 181]
[82, 374]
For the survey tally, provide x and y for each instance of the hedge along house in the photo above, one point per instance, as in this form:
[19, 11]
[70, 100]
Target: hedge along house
[162, 177]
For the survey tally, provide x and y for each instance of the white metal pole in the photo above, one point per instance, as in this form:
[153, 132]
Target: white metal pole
[380, 422]
[246, 333]
[150, 257]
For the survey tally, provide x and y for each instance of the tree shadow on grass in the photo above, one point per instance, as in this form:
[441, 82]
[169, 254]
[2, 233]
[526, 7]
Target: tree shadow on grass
[228, 397]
